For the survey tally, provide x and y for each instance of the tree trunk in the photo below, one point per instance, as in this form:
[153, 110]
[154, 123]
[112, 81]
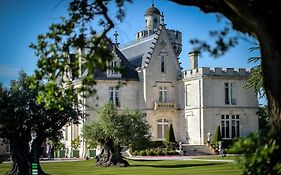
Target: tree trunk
[111, 155]
[257, 18]
[36, 152]
[20, 159]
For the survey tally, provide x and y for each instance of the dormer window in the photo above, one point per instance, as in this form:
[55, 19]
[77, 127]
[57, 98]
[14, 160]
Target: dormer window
[113, 69]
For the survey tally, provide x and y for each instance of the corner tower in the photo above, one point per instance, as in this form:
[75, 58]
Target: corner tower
[152, 22]
[152, 19]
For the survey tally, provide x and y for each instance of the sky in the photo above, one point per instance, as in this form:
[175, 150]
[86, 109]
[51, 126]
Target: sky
[21, 22]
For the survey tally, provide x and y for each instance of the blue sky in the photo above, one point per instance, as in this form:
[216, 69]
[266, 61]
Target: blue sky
[21, 22]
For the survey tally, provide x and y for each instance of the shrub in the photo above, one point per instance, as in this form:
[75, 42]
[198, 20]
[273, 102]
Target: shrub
[217, 136]
[136, 152]
[155, 144]
[170, 135]
[142, 153]
[159, 152]
[149, 153]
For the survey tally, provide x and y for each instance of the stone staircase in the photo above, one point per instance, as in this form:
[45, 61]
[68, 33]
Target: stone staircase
[196, 150]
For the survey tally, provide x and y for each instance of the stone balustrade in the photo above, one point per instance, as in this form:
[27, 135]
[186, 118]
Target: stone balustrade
[165, 106]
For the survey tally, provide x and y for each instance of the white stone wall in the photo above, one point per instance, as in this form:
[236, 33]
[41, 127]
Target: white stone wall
[128, 96]
[214, 92]
[193, 110]
[154, 79]
[203, 112]
[248, 119]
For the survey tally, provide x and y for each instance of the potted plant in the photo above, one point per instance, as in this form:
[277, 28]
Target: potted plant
[75, 145]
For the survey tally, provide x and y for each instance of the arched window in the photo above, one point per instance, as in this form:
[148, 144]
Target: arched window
[162, 127]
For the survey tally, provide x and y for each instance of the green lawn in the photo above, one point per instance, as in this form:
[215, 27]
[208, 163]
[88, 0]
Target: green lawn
[174, 167]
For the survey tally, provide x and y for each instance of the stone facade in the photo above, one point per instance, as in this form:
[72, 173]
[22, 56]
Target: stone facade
[195, 101]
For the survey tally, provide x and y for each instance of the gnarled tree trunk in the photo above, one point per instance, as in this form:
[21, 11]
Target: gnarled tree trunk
[20, 158]
[36, 152]
[110, 155]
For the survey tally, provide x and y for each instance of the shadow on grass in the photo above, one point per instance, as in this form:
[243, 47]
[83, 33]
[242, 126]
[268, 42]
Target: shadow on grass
[178, 165]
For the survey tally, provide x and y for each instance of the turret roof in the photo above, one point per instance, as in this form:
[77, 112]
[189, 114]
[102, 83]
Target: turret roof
[152, 10]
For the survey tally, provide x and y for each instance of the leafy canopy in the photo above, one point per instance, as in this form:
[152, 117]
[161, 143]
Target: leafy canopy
[127, 127]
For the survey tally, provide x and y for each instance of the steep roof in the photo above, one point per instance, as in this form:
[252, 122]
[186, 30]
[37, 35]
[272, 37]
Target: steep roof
[140, 51]
[128, 71]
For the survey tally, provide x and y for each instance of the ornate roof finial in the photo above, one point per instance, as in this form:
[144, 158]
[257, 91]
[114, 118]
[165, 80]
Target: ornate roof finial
[162, 19]
[116, 39]
[152, 3]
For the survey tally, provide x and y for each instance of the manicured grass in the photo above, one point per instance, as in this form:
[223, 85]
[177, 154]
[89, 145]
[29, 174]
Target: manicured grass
[174, 167]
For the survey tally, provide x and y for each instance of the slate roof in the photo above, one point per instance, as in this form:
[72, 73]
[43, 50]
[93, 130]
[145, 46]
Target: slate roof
[128, 71]
[140, 51]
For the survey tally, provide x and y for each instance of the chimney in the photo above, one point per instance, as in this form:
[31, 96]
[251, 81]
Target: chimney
[193, 59]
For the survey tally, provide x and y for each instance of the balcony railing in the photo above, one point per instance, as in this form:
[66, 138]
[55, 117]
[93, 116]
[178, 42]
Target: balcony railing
[165, 106]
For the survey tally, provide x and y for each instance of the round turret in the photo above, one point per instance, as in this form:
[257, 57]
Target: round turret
[152, 10]
[152, 19]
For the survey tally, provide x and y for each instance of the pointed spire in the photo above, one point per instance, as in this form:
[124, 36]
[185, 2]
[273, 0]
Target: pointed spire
[116, 39]
[162, 19]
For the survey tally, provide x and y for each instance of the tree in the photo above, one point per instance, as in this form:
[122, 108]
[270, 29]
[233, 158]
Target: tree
[255, 80]
[253, 17]
[170, 136]
[257, 18]
[217, 136]
[22, 118]
[111, 130]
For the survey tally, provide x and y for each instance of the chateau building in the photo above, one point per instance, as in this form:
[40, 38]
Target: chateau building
[196, 101]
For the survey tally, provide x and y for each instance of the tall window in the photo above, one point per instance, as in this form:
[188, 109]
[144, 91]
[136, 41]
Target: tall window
[229, 91]
[162, 64]
[113, 69]
[113, 66]
[114, 96]
[163, 94]
[162, 127]
[230, 126]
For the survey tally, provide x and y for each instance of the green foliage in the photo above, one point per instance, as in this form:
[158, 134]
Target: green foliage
[255, 81]
[21, 114]
[142, 153]
[75, 32]
[263, 117]
[217, 136]
[170, 136]
[261, 154]
[75, 143]
[127, 128]
[57, 145]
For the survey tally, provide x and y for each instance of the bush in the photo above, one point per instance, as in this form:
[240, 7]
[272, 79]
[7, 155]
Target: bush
[155, 144]
[140, 145]
[170, 135]
[142, 153]
[149, 153]
[217, 136]
[159, 152]
[136, 153]
[228, 143]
